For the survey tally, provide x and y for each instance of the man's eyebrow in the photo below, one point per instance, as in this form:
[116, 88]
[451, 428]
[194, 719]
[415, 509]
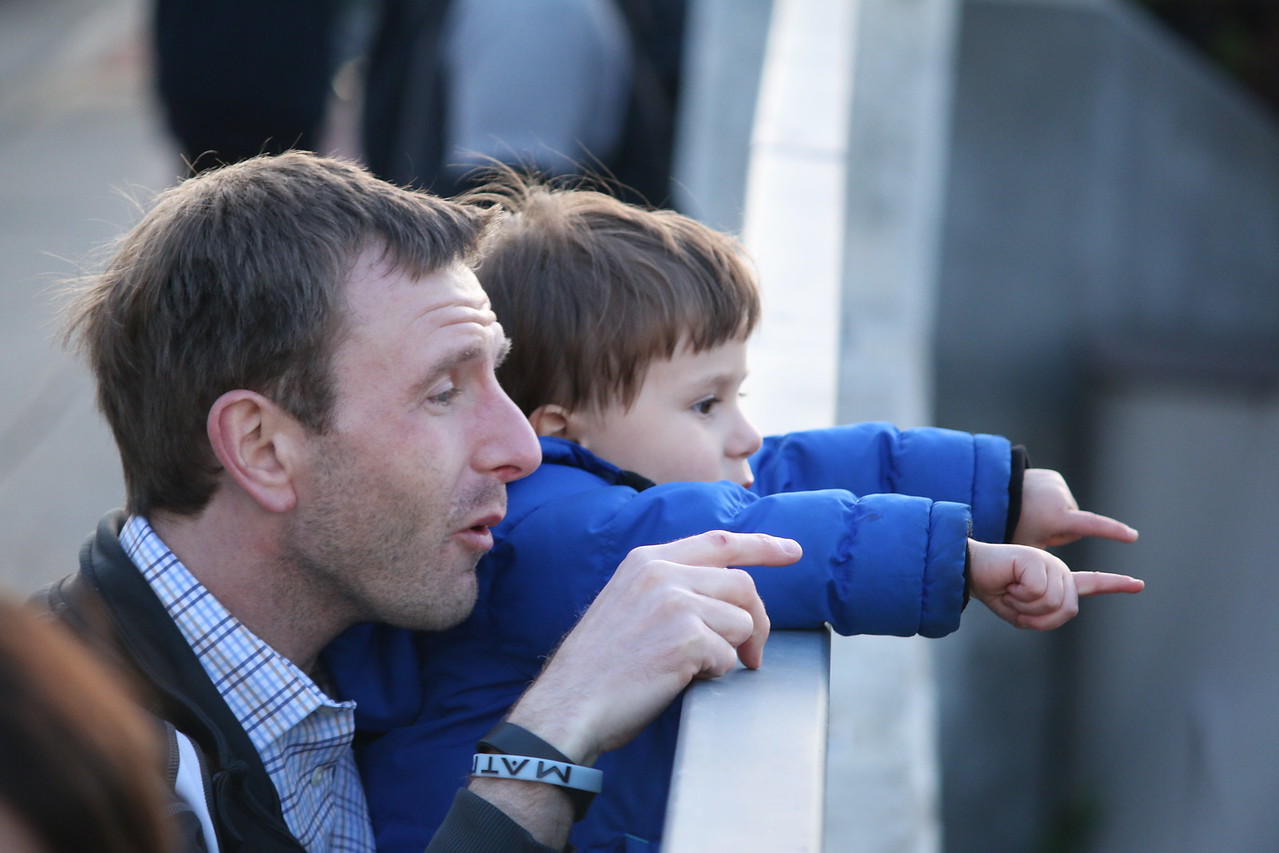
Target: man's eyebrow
[473, 352]
[442, 367]
[462, 356]
[503, 350]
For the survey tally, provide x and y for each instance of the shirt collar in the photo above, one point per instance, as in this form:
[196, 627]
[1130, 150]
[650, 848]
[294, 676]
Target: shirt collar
[268, 694]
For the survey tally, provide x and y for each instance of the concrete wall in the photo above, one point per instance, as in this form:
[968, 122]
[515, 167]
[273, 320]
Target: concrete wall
[1173, 698]
[1113, 204]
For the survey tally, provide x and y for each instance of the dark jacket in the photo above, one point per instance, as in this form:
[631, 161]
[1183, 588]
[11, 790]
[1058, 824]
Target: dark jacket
[112, 607]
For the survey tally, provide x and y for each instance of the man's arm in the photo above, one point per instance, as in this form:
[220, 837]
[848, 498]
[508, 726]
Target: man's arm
[672, 613]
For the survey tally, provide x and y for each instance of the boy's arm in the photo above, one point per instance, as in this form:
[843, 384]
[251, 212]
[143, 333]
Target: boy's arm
[1030, 588]
[875, 458]
[878, 564]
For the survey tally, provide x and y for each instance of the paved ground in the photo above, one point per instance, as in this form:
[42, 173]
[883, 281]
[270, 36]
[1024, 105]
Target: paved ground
[78, 138]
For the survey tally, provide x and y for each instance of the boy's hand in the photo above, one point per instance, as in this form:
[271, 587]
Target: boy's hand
[1030, 588]
[1050, 516]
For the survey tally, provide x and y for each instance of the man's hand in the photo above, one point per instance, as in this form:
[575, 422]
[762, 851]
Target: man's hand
[1031, 588]
[1050, 516]
[670, 614]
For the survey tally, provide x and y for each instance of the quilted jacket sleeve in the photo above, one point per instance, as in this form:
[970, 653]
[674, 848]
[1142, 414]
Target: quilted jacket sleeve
[881, 564]
[868, 458]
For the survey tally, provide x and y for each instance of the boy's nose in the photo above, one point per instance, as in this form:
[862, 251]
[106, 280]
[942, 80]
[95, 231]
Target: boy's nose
[742, 442]
[745, 439]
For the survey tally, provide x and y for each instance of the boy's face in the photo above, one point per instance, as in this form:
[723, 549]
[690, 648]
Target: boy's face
[685, 424]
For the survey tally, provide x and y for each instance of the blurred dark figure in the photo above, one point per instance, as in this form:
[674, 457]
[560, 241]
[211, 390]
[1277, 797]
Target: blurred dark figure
[238, 78]
[81, 768]
[557, 86]
[1241, 35]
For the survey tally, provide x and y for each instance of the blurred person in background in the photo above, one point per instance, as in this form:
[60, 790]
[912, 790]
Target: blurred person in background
[81, 768]
[558, 86]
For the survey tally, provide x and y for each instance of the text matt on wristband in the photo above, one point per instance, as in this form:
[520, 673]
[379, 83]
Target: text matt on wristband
[537, 770]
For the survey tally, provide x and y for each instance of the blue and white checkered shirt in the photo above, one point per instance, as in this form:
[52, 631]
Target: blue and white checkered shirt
[303, 736]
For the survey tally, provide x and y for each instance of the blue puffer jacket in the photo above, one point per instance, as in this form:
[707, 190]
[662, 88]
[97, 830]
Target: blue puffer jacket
[889, 562]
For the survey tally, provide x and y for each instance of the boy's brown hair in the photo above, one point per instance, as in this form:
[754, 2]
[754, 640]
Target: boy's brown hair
[592, 290]
[237, 279]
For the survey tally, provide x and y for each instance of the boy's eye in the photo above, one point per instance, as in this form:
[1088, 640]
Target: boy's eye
[704, 407]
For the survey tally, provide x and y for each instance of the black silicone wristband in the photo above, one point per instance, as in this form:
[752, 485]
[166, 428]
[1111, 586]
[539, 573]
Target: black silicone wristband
[510, 739]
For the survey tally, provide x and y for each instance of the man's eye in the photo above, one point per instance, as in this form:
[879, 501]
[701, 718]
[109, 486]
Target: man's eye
[445, 396]
[704, 407]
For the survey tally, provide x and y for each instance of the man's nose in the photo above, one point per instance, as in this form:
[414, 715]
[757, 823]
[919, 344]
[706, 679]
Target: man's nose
[510, 448]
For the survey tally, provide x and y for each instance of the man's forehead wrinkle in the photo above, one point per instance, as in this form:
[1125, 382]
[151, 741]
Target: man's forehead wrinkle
[454, 318]
[450, 308]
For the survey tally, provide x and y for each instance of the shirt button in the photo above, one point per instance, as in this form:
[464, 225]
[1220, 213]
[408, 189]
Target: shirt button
[320, 775]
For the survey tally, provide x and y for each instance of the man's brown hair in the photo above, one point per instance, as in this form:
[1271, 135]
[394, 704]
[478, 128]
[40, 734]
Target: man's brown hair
[235, 279]
[591, 290]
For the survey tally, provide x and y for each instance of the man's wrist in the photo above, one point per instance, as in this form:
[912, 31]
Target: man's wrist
[510, 751]
[560, 727]
[544, 811]
[510, 738]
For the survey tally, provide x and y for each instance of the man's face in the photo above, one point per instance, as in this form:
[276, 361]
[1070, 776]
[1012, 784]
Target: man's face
[396, 503]
[685, 424]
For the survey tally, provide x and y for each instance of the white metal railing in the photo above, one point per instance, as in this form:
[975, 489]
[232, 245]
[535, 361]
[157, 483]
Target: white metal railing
[759, 782]
[750, 773]
[842, 191]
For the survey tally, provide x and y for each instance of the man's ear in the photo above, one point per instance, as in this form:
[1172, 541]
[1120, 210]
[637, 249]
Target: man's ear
[259, 445]
[551, 420]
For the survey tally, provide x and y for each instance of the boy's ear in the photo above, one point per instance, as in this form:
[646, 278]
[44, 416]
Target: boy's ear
[550, 420]
[259, 445]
